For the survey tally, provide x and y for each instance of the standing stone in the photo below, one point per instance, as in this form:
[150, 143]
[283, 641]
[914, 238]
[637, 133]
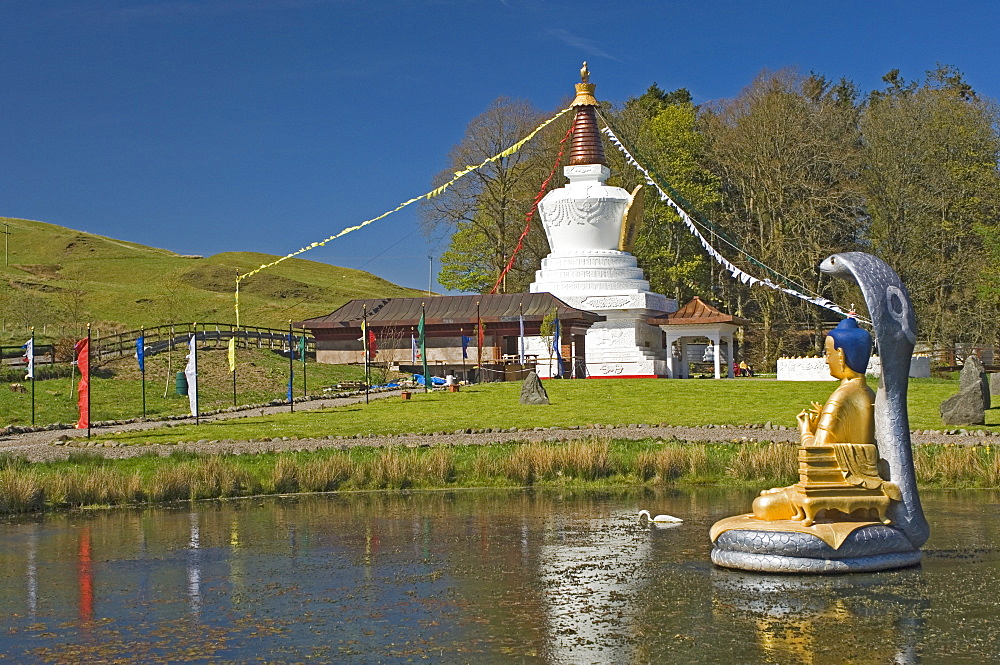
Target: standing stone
[973, 373]
[532, 390]
[965, 408]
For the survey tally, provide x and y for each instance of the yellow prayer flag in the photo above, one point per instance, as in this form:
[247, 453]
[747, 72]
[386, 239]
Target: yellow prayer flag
[232, 353]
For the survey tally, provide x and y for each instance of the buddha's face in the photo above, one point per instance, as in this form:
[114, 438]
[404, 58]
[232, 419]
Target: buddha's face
[835, 359]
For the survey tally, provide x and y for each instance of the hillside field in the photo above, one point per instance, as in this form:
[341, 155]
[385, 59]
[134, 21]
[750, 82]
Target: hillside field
[59, 279]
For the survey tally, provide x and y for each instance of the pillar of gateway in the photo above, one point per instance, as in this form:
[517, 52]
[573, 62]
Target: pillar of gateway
[590, 226]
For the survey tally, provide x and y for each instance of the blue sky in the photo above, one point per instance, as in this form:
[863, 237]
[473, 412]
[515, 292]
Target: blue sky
[204, 126]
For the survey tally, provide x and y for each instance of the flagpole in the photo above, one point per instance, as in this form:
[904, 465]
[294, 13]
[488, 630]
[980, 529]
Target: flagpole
[31, 364]
[423, 345]
[291, 369]
[237, 297]
[364, 345]
[88, 380]
[197, 407]
[556, 347]
[235, 330]
[142, 367]
[520, 339]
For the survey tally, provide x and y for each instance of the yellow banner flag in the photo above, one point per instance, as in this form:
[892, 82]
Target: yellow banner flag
[232, 354]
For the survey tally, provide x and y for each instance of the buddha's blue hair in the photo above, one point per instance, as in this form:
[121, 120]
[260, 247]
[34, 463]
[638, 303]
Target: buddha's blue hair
[856, 343]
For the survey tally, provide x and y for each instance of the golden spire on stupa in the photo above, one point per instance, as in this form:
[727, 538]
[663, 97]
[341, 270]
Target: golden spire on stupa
[585, 89]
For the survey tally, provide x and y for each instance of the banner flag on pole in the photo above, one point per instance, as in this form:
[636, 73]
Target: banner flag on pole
[555, 346]
[302, 347]
[231, 353]
[82, 349]
[191, 374]
[414, 352]
[465, 346]
[423, 348]
[520, 340]
[372, 345]
[291, 370]
[140, 352]
[29, 356]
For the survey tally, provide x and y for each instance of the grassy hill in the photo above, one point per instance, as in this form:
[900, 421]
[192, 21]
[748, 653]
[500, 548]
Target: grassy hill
[59, 279]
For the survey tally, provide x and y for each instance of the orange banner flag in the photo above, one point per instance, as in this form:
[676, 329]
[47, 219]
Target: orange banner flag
[82, 349]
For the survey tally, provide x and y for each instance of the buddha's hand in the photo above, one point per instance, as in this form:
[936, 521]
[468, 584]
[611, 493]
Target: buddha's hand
[807, 421]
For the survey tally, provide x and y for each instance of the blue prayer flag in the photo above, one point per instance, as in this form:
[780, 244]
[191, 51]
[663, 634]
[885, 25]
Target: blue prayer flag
[140, 352]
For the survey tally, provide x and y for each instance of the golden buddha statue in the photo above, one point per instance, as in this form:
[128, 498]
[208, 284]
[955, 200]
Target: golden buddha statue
[839, 465]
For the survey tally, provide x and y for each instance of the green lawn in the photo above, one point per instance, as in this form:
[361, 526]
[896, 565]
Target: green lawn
[608, 402]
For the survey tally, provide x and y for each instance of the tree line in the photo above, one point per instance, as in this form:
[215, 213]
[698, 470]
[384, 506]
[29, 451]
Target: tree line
[794, 168]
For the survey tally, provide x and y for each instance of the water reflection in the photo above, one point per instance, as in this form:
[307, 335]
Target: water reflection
[826, 619]
[591, 568]
[555, 577]
[32, 570]
[194, 567]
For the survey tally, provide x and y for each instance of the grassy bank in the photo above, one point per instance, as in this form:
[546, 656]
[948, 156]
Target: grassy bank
[87, 480]
[574, 403]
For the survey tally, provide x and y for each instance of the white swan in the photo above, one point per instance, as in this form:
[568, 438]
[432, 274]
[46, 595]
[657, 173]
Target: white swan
[670, 519]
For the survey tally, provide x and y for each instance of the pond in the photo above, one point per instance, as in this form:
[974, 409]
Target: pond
[476, 576]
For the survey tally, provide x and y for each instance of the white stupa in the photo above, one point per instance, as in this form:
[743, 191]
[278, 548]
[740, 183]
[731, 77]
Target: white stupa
[590, 226]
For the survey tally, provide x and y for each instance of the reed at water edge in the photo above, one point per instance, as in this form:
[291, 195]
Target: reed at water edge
[87, 479]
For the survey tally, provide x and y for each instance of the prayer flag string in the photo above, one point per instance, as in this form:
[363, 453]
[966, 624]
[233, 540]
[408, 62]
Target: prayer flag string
[531, 212]
[736, 272]
[431, 194]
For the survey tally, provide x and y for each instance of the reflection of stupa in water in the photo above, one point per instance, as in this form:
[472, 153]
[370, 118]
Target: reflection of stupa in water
[588, 266]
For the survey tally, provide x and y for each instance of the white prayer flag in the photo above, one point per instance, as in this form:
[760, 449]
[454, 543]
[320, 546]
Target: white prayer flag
[191, 374]
[29, 355]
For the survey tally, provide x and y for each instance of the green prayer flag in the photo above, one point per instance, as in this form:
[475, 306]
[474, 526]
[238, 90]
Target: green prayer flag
[423, 350]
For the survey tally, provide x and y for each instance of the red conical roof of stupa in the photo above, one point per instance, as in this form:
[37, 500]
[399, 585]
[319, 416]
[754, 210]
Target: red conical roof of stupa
[587, 147]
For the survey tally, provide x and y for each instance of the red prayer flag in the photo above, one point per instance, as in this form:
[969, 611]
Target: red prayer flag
[82, 349]
[372, 345]
[480, 335]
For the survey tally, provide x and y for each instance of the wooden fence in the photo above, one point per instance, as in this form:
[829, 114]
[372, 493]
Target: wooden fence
[210, 335]
[13, 356]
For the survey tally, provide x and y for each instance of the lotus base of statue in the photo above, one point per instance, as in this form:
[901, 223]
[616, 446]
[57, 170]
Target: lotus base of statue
[855, 507]
[783, 546]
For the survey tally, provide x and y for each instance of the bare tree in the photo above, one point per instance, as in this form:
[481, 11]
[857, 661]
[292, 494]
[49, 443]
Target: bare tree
[787, 150]
[933, 194]
[484, 213]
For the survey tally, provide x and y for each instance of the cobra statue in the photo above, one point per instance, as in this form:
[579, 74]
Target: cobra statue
[879, 524]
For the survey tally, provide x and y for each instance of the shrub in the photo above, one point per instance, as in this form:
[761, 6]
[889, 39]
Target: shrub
[20, 492]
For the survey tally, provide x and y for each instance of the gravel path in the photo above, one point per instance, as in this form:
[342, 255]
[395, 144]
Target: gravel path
[45, 445]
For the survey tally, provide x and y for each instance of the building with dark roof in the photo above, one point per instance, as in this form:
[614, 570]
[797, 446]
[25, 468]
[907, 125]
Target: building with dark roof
[449, 319]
